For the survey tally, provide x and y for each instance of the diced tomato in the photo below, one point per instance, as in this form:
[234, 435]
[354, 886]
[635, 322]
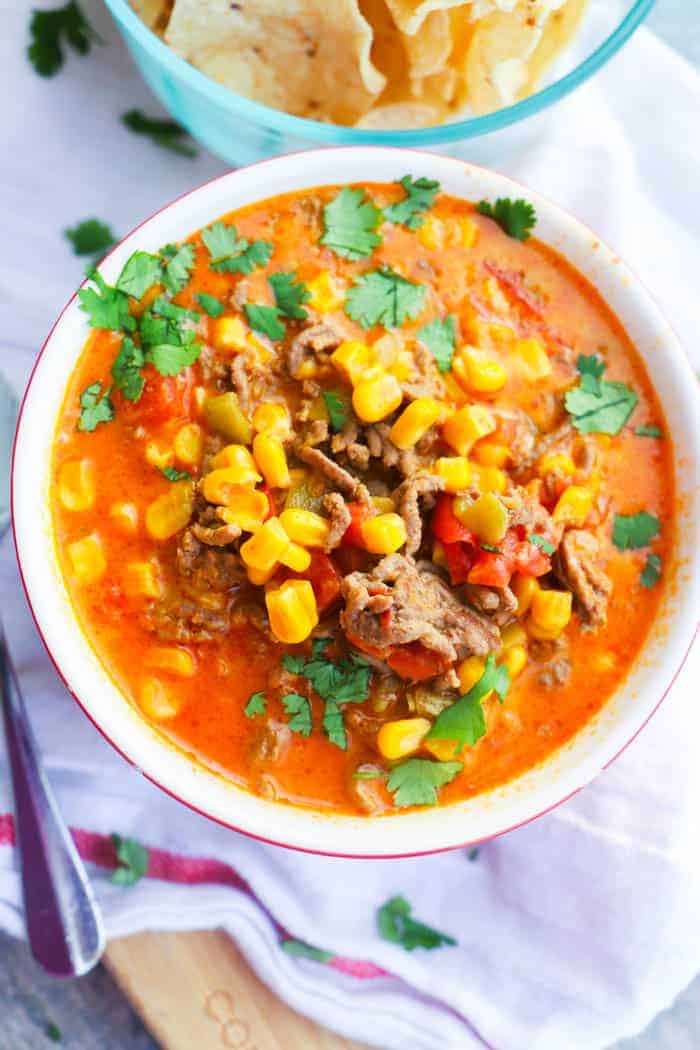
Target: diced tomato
[446, 526]
[163, 397]
[359, 512]
[460, 558]
[324, 578]
[531, 560]
[416, 662]
[491, 570]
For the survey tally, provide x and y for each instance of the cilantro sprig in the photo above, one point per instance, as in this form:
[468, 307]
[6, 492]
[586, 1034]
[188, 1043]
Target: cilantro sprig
[95, 407]
[517, 218]
[164, 133]
[338, 409]
[384, 297]
[173, 474]
[649, 430]
[265, 319]
[419, 196]
[299, 708]
[596, 405]
[210, 304]
[229, 253]
[416, 781]
[106, 307]
[464, 721]
[633, 531]
[91, 237]
[301, 950]
[345, 682]
[651, 573]
[539, 541]
[126, 370]
[52, 31]
[350, 224]
[440, 337]
[395, 924]
[289, 293]
[132, 860]
[257, 702]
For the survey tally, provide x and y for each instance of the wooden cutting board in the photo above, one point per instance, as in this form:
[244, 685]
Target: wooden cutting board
[195, 991]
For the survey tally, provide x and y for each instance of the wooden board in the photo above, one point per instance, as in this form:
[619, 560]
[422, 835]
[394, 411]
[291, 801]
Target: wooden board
[195, 990]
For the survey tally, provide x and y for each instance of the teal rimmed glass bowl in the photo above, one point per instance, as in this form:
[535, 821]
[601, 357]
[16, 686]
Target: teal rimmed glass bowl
[242, 131]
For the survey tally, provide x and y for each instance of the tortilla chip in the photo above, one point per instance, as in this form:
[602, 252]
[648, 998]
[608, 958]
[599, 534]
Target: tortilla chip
[440, 87]
[154, 13]
[306, 57]
[401, 115]
[496, 68]
[429, 49]
[409, 15]
[557, 33]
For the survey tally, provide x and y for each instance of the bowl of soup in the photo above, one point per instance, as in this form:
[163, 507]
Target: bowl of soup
[355, 500]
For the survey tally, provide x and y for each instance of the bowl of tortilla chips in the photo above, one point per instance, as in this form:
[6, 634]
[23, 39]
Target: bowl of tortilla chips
[257, 78]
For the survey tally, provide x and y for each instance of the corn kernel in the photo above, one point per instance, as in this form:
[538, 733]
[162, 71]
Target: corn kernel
[296, 558]
[489, 479]
[292, 611]
[238, 458]
[157, 702]
[456, 472]
[383, 504]
[246, 508]
[271, 460]
[356, 361]
[225, 415]
[415, 421]
[469, 672]
[462, 429]
[272, 417]
[200, 398]
[229, 334]
[391, 354]
[325, 294]
[439, 556]
[491, 334]
[462, 231]
[76, 484]
[604, 662]
[491, 453]
[377, 398]
[524, 588]
[515, 659]
[479, 372]
[550, 612]
[173, 659]
[87, 559]
[262, 352]
[158, 455]
[432, 232]
[514, 633]
[456, 394]
[533, 360]
[560, 462]
[401, 737]
[486, 516]
[265, 546]
[142, 579]
[573, 506]
[261, 576]
[188, 444]
[443, 750]
[307, 369]
[171, 512]
[495, 296]
[384, 533]
[125, 516]
[305, 527]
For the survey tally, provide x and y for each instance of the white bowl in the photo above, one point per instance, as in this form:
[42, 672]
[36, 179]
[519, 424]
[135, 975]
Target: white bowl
[429, 830]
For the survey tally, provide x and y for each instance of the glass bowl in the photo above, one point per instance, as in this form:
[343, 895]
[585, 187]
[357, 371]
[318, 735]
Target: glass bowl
[241, 131]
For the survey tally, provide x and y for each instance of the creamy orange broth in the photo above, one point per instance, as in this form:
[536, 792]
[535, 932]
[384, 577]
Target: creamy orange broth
[533, 721]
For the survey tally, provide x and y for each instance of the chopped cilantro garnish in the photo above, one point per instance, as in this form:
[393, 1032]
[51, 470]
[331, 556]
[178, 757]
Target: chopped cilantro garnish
[299, 707]
[256, 705]
[177, 266]
[171, 360]
[420, 194]
[632, 531]
[53, 1032]
[265, 319]
[173, 474]
[50, 31]
[168, 337]
[384, 297]
[542, 543]
[126, 370]
[596, 405]
[165, 133]
[516, 218]
[210, 304]
[489, 547]
[289, 294]
[651, 573]
[416, 781]
[334, 725]
[141, 271]
[305, 951]
[395, 924]
[350, 224]
[95, 409]
[440, 336]
[337, 409]
[231, 253]
[90, 237]
[464, 721]
[133, 861]
[107, 307]
[336, 683]
[649, 431]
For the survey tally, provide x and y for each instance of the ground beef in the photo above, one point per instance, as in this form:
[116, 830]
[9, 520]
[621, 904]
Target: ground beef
[220, 536]
[212, 366]
[348, 441]
[422, 607]
[338, 477]
[339, 519]
[184, 620]
[524, 509]
[427, 702]
[407, 496]
[251, 380]
[577, 564]
[498, 603]
[425, 379]
[554, 655]
[556, 672]
[518, 432]
[312, 341]
[206, 568]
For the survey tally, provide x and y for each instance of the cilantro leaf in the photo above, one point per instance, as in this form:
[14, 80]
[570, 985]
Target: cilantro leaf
[210, 304]
[384, 297]
[334, 725]
[126, 370]
[294, 664]
[177, 268]
[440, 337]
[53, 1032]
[50, 31]
[230, 253]
[164, 133]
[107, 307]
[473, 854]
[173, 474]
[141, 271]
[516, 218]
[648, 430]
[290, 293]
[420, 194]
[90, 237]
[265, 319]
[542, 543]
[305, 951]
[256, 705]
[632, 531]
[133, 861]
[464, 720]
[336, 683]
[299, 707]
[395, 924]
[171, 360]
[337, 409]
[651, 573]
[350, 224]
[415, 782]
[168, 337]
[178, 314]
[95, 409]
[596, 405]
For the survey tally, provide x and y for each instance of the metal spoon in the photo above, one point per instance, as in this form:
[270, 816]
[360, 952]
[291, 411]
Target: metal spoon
[63, 921]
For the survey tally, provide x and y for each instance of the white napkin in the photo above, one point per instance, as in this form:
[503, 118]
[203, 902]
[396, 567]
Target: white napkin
[574, 931]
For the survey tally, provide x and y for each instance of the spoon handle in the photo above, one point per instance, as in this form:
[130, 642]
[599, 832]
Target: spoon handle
[63, 921]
